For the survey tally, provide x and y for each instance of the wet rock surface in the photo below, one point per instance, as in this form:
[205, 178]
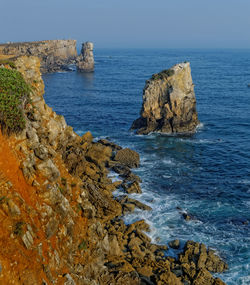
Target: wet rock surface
[169, 104]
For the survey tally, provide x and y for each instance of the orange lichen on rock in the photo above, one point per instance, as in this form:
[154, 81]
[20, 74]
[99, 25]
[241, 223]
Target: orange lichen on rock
[16, 195]
[10, 167]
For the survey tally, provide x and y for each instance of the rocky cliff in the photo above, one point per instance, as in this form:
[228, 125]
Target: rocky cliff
[54, 54]
[169, 104]
[60, 223]
[85, 61]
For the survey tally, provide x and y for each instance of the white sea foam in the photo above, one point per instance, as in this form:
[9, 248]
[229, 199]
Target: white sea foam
[168, 161]
[114, 176]
[100, 138]
[245, 181]
[200, 126]
[201, 141]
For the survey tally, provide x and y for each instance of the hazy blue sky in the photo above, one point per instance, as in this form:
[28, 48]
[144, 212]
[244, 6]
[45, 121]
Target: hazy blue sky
[129, 23]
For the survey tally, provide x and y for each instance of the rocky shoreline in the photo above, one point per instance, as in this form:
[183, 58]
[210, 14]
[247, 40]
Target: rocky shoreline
[56, 204]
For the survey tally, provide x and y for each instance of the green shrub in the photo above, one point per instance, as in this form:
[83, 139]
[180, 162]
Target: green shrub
[8, 62]
[14, 95]
[18, 228]
[82, 245]
[163, 74]
[2, 199]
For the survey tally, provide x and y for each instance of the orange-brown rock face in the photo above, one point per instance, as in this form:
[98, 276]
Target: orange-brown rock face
[169, 104]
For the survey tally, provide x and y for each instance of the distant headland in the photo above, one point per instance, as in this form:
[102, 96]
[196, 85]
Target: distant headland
[55, 55]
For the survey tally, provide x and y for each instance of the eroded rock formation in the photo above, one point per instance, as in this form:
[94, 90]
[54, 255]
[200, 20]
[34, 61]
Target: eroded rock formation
[169, 104]
[60, 223]
[85, 61]
[54, 55]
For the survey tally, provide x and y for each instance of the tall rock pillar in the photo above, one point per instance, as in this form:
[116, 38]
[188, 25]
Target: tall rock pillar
[85, 61]
[169, 104]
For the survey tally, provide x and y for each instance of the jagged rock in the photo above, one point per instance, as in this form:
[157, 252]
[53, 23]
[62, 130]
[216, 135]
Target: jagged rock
[51, 227]
[70, 280]
[41, 152]
[110, 144]
[174, 244]
[49, 170]
[85, 62]
[105, 206]
[13, 208]
[203, 278]
[169, 104]
[99, 154]
[125, 201]
[203, 258]
[128, 207]
[27, 239]
[133, 187]
[138, 225]
[127, 157]
[87, 137]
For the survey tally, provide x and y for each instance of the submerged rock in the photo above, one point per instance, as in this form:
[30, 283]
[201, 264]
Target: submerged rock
[85, 62]
[174, 244]
[169, 103]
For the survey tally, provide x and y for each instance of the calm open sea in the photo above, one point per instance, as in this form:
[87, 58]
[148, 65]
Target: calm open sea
[207, 174]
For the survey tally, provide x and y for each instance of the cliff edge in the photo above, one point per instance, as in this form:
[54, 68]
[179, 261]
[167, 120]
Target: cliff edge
[169, 104]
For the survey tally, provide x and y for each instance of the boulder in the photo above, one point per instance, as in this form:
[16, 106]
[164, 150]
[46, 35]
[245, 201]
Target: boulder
[169, 104]
[127, 157]
[133, 187]
[204, 258]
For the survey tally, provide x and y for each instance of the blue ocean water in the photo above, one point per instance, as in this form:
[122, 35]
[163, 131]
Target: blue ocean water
[206, 174]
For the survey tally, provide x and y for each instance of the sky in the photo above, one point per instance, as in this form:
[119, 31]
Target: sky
[129, 23]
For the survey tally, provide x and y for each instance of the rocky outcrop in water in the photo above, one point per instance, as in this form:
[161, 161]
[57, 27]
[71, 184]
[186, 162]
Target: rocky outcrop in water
[169, 104]
[85, 61]
[60, 223]
[54, 55]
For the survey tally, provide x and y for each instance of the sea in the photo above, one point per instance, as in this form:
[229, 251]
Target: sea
[206, 175]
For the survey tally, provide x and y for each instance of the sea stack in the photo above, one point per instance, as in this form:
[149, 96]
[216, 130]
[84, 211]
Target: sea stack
[85, 61]
[169, 104]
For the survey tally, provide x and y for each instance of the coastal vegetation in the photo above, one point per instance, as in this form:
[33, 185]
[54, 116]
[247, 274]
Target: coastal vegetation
[163, 74]
[14, 94]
